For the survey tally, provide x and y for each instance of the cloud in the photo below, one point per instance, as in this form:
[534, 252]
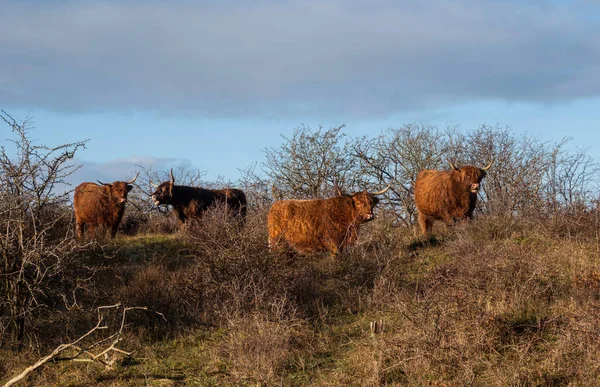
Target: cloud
[295, 58]
[122, 169]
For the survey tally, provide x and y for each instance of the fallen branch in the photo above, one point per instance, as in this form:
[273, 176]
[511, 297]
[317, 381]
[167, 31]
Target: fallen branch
[84, 353]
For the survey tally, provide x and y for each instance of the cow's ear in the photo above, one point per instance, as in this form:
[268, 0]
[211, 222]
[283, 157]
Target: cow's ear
[129, 187]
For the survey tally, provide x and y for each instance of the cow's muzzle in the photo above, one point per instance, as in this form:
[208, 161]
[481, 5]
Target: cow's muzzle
[475, 188]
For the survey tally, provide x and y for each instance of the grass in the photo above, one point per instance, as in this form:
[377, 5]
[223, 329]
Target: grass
[473, 307]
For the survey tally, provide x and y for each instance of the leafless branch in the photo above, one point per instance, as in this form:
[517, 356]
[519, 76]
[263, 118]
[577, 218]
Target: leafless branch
[97, 351]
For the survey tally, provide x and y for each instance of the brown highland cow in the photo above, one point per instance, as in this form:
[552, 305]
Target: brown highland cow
[320, 224]
[447, 196]
[100, 206]
[191, 202]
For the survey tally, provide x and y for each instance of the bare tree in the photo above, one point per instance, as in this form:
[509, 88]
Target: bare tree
[572, 180]
[256, 186]
[36, 235]
[397, 156]
[311, 164]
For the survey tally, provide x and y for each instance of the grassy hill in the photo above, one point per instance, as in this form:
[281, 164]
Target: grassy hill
[499, 302]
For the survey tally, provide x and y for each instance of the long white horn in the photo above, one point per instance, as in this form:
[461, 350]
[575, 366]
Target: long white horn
[453, 166]
[132, 180]
[172, 177]
[488, 166]
[383, 190]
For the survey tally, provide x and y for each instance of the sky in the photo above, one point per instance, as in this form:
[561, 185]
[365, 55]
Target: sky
[211, 84]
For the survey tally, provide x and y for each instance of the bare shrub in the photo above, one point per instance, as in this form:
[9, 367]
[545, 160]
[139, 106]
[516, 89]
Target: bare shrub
[256, 187]
[176, 294]
[259, 345]
[398, 155]
[228, 272]
[36, 244]
[244, 275]
[311, 164]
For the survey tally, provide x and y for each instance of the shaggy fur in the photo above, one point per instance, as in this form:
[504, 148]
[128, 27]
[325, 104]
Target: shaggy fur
[99, 206]
[321, 224]
[447, 196]
[191, 202]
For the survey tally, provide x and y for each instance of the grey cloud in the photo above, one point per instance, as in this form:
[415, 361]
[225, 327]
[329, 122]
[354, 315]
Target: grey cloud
[295, 58]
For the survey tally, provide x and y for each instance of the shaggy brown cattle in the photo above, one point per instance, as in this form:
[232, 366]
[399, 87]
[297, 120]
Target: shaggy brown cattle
[320, 224]
[191, 202]
[100, 206]
[448, 196]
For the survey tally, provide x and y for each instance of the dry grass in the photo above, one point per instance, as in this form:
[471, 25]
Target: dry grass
[500, 302]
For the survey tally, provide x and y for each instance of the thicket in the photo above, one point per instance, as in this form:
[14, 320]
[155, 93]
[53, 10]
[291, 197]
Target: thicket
[531, 178]
[36, 243]
[464, 307]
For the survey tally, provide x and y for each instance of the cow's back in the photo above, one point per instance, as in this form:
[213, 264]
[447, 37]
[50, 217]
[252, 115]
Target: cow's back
[433, 191]
[191, 202]
[234, 198]
[297, 223]
[438, 194]
[310, 225]
[88, 202]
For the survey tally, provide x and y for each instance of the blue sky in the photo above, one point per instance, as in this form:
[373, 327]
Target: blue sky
[211, 84]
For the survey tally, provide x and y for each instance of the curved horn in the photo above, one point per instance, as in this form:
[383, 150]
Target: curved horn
[132, 180]
[383, 190]
[453, 166]
[172, 177]
[488, 166]
[154, 185]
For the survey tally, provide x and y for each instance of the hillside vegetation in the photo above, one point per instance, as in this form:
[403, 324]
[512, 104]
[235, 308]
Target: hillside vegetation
[512, 298]
[497, 303]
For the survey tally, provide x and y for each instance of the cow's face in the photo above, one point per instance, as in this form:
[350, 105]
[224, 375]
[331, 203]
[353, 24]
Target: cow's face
[163, 193]
[119, 191]
[364, 203]
[471, 177]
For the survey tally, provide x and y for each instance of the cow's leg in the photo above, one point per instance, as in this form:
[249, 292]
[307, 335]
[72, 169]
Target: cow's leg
[91, 231]
[425, 222]
[113, 232]
[333, 248]
[79, 229]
